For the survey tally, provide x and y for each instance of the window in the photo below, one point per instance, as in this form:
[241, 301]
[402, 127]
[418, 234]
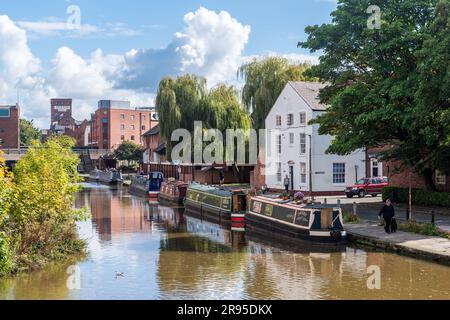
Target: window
[143, 128]
[279, 144]
[105, 120]
[302, 143]
[291, 138]
[303, 119]
[133, 138]
[302, 173]
[122, 117]
[143, 117]
[339, 173]
[133, 127]
[278, 121]
[440, 178]
[290, 119]
[122, 138]
[279, 174]
[133, 118]
[122, 127]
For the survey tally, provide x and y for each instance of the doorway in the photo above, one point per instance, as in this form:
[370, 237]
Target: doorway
[291, 176]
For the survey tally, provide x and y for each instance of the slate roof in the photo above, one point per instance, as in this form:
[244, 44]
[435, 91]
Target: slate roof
[309, 92]
[152, 132]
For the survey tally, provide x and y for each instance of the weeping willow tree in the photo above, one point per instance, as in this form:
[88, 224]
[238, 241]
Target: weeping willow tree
[264, 81]
[184, 100]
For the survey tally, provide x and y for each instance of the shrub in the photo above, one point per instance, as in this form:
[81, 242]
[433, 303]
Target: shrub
[426, 229]
[351, 218]
[419, 197]
[41, 224]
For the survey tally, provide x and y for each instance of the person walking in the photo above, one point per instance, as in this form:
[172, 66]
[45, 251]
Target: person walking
[388, 214]
[287, 182]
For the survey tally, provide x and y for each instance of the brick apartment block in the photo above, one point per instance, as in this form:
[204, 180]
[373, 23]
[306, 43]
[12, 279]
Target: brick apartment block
[115, 122]
[10, 127]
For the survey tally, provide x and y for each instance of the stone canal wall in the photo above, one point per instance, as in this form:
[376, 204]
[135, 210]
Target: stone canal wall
[424, 247]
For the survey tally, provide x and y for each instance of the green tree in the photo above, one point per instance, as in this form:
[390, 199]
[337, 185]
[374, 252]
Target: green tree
[378, 80]
[5, 205]
[182, 101]
[42, 223]
[129, 151]
[28, 133]
[264, 81]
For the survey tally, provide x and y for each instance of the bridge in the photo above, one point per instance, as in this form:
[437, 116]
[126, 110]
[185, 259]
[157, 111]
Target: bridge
[14, 155]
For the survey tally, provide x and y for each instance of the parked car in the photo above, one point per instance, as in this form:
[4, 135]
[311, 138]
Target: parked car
[363, 187]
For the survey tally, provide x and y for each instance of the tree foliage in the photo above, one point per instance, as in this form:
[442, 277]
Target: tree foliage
[5, 205]
[129, 151]
[387, 86]
[28, 133]
[183, 101]
[264, 81]
[40, 222]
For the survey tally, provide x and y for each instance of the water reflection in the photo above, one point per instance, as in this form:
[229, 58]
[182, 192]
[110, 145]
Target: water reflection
[166, 254]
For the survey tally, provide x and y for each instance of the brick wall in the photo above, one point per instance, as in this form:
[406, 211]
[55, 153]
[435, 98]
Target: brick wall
[10, 128]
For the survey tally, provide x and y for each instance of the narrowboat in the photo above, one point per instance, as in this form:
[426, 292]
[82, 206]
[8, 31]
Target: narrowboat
[219, 204]
[106, 177]
[173, 192]
[316, 222]
[147, 186]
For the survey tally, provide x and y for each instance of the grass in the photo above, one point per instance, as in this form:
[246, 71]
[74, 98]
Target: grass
[426, 229]
[350, 218]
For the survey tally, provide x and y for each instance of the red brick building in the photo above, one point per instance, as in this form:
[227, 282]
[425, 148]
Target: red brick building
[62, 122]
[10, 127]
[115, 122]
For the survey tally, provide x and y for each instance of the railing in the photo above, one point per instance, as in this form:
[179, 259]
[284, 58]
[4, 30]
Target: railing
[15, 154]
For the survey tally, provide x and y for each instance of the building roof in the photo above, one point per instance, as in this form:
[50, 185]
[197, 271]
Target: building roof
[309, 92]
[161, 149]
[152, 132]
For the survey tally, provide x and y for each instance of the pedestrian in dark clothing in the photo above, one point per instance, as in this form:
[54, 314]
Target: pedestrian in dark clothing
[287, 182]
[388, 214]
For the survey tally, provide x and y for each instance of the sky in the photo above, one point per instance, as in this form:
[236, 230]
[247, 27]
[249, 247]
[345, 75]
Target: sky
[120, 49]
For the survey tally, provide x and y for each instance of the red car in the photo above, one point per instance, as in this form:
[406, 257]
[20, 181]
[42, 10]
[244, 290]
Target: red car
[363, 187]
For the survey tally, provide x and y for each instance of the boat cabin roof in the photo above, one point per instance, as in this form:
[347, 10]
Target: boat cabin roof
[218, 191]
[276, 199]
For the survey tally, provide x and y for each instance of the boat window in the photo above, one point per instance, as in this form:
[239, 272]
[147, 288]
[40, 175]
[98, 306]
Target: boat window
[302, 218]
[282, 213]
[256, 207]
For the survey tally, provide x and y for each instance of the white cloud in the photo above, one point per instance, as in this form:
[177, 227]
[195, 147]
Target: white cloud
[211, 44]
[55, 27]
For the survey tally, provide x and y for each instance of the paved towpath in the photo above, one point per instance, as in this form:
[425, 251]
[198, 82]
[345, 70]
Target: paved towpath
[431, 248]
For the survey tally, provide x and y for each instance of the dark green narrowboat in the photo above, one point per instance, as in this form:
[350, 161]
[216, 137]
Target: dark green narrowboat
[318, 223]
[220, 204]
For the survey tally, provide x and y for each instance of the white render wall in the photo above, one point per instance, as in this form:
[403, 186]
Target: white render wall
[322, 163]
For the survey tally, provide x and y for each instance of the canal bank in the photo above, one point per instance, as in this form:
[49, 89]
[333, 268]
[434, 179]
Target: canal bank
[418, 246]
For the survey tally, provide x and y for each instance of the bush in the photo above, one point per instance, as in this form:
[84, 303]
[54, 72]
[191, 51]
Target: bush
[426, 229]
[419, 197]
[350, 218]
[39, 225]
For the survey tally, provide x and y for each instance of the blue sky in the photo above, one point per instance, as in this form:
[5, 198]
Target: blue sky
[137, 38]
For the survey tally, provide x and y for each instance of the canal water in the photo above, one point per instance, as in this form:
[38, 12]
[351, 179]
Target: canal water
[140, 251]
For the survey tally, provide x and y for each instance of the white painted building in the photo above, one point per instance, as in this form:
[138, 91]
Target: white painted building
[291, 139]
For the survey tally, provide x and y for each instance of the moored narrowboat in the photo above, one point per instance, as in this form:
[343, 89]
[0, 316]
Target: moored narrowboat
[147, 186]
[318, 223]
[173, 192]
[221, 204]
[106, 177]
